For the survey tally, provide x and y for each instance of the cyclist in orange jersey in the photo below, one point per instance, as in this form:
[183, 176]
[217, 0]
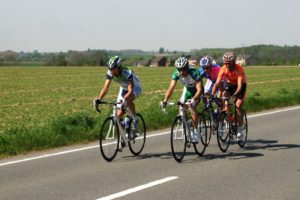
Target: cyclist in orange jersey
[235, 78]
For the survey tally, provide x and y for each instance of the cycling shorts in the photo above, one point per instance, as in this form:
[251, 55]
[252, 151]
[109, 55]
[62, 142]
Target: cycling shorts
[232, 88]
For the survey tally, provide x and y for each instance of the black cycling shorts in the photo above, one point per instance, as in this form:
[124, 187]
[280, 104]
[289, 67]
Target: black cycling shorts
[232, 88]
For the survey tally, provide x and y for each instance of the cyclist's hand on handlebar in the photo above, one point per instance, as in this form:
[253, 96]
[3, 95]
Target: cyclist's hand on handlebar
[96, 102]
[191, 102]
[163, 104]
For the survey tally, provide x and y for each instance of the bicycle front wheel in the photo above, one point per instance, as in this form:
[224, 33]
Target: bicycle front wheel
[178, 139]
[137, 142]
[223, 132]
[109, 139]
[208, 122]
[245, 130]
[201, 145]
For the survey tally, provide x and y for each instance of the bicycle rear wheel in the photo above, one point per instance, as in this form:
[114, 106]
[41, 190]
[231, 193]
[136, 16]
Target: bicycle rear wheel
[245, 130]
[208, 122]
[178, 139]
[137, 142]
[109, 139]
[223, 132]
[201, 145]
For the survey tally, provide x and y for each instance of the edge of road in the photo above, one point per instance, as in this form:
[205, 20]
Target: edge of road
[91, 145]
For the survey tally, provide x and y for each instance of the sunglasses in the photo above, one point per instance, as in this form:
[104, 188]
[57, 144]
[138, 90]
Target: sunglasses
[182, 69]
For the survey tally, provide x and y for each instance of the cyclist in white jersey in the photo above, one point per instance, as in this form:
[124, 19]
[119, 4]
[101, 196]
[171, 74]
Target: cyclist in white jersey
[130, 87]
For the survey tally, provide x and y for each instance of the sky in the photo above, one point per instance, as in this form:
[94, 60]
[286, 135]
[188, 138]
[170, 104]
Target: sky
[62, 25]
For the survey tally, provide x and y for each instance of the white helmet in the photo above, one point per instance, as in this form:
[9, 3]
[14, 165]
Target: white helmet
[182, 63]
[114, 62]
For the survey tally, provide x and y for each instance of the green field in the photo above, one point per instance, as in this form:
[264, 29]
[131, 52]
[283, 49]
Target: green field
[43, 107]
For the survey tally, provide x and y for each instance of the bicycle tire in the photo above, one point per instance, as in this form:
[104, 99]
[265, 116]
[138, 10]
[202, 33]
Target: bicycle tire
[109, 139]
[201, 146]
[178, 139]
[223, 133]
[136, 145]
[242, 143]
[207, 118]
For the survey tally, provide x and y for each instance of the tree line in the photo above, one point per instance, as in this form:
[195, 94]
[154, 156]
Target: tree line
[257, 54]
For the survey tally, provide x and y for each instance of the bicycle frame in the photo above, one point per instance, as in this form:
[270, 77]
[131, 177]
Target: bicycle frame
[231, 116]
[117, 119]
[209, 107]
[182, 113]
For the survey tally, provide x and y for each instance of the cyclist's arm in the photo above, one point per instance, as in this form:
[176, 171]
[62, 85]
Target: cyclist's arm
[217, 83]
[130, 90]
[170, 90]
[199, 90]
[105, 88]
[239, 85]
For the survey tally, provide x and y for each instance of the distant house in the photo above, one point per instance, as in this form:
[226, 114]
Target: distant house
[142, 63]
[159, 62]
[194, 60]
[243, 60]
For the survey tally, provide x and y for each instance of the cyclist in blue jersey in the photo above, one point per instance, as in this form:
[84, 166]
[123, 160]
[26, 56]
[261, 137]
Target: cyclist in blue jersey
[130, 87]
[210, 71]
[192, 81]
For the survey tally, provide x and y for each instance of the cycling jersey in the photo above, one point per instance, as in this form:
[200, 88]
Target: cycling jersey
[234, 76]
[124, 78]
[193, 76]
[189, 82]
[213, 75]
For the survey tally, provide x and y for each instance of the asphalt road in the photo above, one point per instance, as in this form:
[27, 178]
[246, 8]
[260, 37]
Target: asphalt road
[267, 168]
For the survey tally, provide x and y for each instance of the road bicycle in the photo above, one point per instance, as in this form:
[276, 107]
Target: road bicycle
[115, 135]
[211, 112]
[181, 132]
[227, 126]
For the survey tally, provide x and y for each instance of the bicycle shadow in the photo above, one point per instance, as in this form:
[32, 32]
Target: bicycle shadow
[231, 155]
[167, 155]
[268, 144]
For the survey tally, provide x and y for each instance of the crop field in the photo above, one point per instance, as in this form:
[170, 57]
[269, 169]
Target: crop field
[43, 107]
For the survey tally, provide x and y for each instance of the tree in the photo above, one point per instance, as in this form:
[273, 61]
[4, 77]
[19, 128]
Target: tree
[161, 50]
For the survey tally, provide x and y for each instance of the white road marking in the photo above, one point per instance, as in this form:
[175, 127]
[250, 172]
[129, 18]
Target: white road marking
[138, 188]
[97, 146]
[273, 112]
[69, 151]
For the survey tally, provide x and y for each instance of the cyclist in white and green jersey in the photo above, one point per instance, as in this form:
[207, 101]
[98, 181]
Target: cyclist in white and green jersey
[193, 87]
[130, 87]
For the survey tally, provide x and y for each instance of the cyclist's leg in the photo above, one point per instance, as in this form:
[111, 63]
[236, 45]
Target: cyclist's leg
[194, 114]
[228, 92]
[131, 106]
[239, 104]
[239, 112]
[208, 86]
[120, 98]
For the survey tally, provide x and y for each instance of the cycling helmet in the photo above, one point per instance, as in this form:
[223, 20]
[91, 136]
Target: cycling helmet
[182, 63]
[229, 57]
[206, 61]
[114, 62]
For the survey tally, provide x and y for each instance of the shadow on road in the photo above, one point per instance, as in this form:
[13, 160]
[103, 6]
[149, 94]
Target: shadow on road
[232, 155]
[166, 155]
[268, 144]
